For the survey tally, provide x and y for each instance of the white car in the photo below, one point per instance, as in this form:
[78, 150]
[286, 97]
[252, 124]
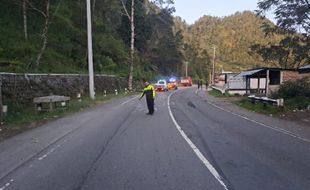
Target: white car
[161, 85]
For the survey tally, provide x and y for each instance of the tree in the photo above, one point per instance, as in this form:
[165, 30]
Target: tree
[24, 5]
[291, 15]
[44, 34]
[64, 44]
[131, 18]
[293, 21]
[25, 19]
[163, 50]
[142, 29]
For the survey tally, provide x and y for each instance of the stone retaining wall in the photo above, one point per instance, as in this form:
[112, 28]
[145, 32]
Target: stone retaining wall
[24, 87]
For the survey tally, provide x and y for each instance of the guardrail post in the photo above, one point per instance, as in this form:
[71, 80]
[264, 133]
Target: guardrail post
[280, 102]
[79, 97]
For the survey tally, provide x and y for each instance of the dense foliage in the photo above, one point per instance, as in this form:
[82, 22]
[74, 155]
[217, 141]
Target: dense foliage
[295, 93]
[157, 44]
[293, 22]
[232, 37]
[50, 36]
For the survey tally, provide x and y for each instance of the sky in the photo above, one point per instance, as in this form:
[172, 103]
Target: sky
[192, 10]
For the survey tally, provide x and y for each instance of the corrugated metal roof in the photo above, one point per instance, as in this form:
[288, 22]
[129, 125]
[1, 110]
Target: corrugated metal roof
[305, 67]
[248, 73]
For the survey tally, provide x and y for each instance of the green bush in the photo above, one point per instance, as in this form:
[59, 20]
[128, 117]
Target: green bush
[292, 89]
[299, 102]
[295, 93]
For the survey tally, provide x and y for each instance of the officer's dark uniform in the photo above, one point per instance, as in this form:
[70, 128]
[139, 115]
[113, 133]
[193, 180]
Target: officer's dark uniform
[149, 92]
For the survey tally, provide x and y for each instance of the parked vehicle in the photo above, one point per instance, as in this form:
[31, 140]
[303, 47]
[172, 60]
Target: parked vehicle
[186, 81]
[172, 84]
[161, 85]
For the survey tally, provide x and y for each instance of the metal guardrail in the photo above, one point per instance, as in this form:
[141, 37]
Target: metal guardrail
[219, 89]
[266, 100]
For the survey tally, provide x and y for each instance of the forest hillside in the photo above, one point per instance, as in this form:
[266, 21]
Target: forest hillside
[51, 36]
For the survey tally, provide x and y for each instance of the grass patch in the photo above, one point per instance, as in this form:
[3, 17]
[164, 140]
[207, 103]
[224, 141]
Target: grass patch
[218, 94]
[297, 103]
[22, 115]
[259, 107]
[247, 104]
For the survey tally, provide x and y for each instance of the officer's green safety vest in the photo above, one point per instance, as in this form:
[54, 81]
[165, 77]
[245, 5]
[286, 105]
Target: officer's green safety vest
[149, 91]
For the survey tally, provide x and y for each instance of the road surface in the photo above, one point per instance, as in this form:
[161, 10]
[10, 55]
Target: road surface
[192, 142]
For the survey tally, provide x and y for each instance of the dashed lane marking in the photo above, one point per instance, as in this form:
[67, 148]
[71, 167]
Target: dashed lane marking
[48, 153]
[7, 185]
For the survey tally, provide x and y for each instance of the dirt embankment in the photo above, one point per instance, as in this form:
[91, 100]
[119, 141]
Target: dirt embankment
[300, 117]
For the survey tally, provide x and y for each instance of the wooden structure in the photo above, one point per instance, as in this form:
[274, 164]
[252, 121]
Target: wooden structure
[49, 103]
[263, 81]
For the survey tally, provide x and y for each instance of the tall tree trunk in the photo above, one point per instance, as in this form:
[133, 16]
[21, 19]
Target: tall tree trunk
[94, 5]
[1, 105]
[132, 43]
[44, 34]
[25, 19]
[132, 46]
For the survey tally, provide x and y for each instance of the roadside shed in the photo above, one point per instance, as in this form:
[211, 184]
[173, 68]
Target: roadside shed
[260, 81]
[255, 81]
[265, 81]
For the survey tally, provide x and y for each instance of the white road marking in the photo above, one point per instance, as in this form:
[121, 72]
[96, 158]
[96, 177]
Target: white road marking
[48, 153]
[129, 100]
[6, 185]
[32, 156]
[262, 124]
[213, 171]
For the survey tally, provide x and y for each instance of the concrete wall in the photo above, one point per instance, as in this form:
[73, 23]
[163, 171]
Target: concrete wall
[303, 75]
[24, 87]
[234, 92]
[272, 89]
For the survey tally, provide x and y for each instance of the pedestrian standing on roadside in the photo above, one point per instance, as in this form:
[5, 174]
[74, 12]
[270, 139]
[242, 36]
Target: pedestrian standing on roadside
[149, 92]
[199, 84]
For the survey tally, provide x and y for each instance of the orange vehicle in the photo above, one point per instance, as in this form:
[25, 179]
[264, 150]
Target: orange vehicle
[172, 84]
[186, 81]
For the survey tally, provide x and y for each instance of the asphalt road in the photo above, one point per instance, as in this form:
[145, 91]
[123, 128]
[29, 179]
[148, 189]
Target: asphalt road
[192, 142]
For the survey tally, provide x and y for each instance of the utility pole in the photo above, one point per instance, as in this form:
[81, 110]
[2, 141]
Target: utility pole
[90, 52]
[213, 65]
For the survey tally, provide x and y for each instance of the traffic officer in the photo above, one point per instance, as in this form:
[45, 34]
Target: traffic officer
[149, 92]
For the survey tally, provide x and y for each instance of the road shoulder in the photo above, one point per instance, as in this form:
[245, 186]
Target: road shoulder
[285, 123]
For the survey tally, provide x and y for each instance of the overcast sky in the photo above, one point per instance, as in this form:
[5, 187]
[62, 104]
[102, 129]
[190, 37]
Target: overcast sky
[192, 10]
